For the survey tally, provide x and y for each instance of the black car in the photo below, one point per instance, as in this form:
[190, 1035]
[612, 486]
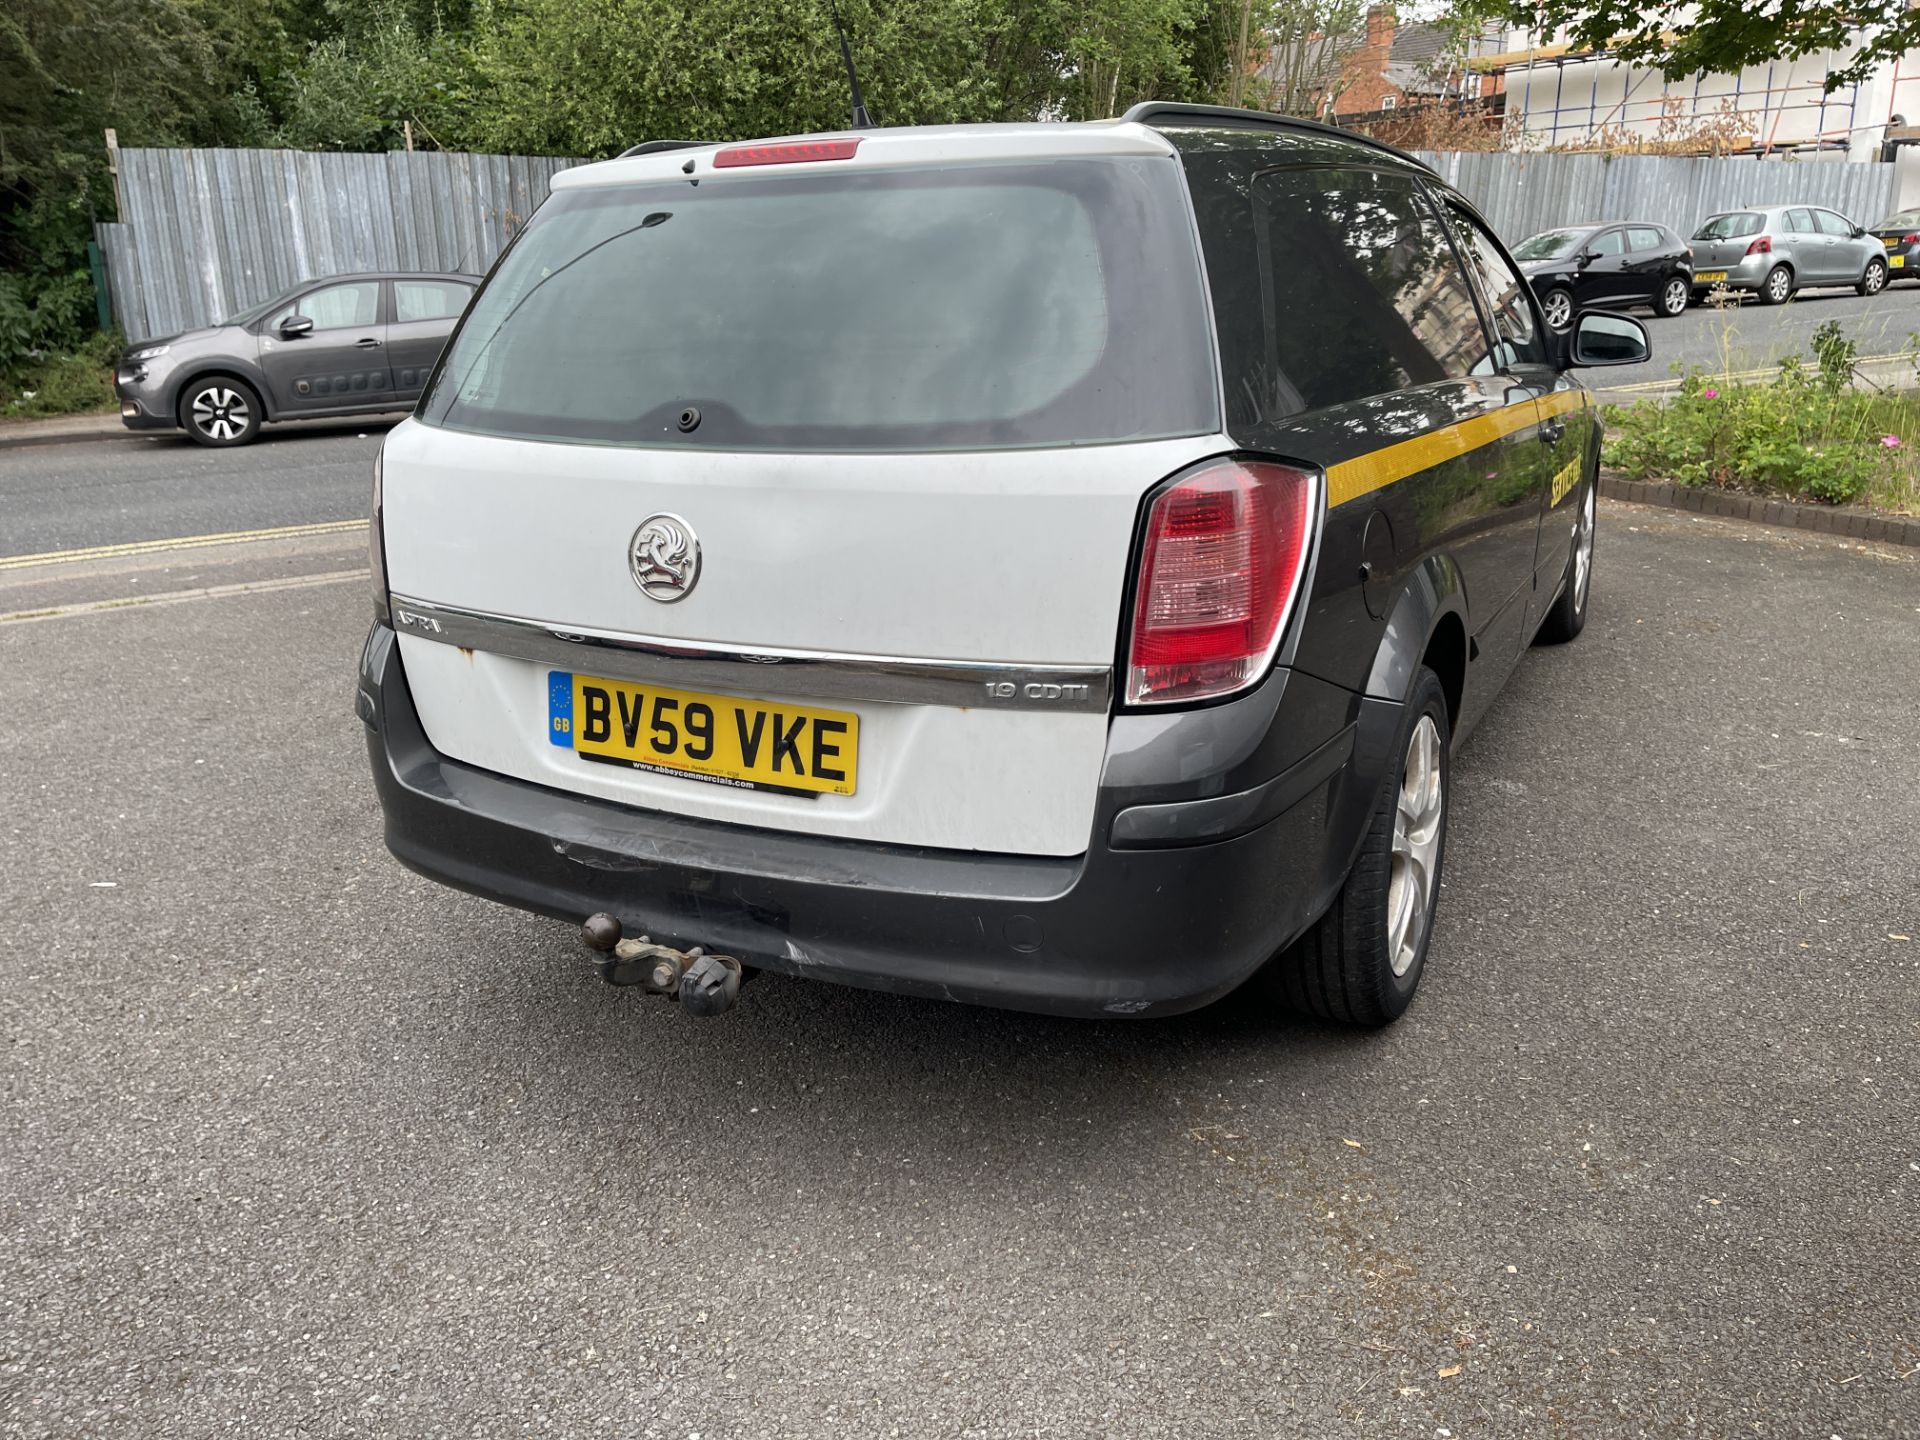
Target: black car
[1613, 266]
[345, 345]
[905, 558]
[1900, 233]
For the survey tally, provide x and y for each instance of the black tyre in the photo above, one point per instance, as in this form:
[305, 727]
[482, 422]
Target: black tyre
[1777, 288]
[1557, 305]
[1363, 961]
[1568, 617]
[1674, 297]
[220, 411]
[1874, 280]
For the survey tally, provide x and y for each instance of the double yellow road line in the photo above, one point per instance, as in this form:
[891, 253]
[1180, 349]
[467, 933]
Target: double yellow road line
[179, 542]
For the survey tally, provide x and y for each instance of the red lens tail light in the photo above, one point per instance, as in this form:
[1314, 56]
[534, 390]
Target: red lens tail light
[1910, 238]
[791, 152]
[1762, 246]
[1221, 564]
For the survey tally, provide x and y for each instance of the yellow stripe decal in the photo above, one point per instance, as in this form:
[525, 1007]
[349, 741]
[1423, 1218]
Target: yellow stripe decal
[180, 542]
[1350, 479]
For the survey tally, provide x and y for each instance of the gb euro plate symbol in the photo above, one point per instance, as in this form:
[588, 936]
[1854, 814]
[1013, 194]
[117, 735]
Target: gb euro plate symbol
[664, 558]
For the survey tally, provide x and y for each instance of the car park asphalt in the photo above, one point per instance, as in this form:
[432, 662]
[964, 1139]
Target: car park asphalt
[294, 1142]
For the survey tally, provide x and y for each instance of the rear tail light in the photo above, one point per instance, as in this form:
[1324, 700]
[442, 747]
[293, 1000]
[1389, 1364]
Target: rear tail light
[1762, 246]
[377, 542]
[1220, 567]
[1910, 238]
[791, 152]
[1689, 252]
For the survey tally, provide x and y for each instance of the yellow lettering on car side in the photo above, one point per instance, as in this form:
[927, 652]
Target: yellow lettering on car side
[1564, 479]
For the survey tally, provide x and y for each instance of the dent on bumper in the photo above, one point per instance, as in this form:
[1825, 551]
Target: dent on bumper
[1111, 932]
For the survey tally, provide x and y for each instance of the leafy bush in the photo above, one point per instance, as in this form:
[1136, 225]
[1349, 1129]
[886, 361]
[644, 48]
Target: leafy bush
[1807, 435]
[68, 383]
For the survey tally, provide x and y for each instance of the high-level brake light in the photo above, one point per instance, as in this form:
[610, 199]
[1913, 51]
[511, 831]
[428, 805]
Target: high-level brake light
[789, 152]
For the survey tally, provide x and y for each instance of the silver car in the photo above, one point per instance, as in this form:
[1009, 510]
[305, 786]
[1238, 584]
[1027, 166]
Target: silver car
[345, 345]
[1774, 250]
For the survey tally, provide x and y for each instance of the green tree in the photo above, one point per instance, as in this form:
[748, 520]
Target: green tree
[1682, 37]
[161, 72]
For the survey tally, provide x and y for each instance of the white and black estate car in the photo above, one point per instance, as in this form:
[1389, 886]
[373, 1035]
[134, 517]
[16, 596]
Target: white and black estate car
[1047, 566]
[345, 345]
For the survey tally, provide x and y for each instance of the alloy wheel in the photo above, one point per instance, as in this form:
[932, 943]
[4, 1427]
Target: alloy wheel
[1876, 277]
[1583, 552]
[1778, 284]
[221, 413]
[1674, 298]
[1418, 810]
[1559, 307]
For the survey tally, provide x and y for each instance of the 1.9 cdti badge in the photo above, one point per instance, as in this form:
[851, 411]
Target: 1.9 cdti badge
[664, 557]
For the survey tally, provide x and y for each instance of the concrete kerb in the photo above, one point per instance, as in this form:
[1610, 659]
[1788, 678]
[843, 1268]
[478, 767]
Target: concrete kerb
[1727, 504]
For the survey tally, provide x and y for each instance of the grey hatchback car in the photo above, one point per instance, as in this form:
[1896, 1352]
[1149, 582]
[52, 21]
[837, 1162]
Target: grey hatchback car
[345, 345]
[1774, 250]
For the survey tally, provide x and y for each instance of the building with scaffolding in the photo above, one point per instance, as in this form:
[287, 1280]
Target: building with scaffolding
[1561, 98]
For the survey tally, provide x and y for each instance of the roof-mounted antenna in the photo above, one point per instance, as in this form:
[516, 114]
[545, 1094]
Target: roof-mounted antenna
[861, 120]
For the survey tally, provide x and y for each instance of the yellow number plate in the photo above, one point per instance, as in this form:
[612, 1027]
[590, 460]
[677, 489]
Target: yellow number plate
[722, 739]
[1896, 262]
[1707, 275]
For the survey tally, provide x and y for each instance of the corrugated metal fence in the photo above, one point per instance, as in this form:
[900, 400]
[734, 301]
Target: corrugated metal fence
[210, 232]
[206, 233]
[1523, 194]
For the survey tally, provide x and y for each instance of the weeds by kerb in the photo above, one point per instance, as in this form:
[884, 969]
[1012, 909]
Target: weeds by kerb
[1810, 433]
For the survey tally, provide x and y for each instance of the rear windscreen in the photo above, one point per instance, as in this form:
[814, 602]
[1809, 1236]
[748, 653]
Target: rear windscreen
[978, 306]
[1728, 227]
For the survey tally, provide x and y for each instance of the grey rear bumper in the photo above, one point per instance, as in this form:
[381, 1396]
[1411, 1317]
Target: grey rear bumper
[1191, 882]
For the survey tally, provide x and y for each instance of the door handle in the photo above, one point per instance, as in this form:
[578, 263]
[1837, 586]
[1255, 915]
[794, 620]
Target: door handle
[369, 343]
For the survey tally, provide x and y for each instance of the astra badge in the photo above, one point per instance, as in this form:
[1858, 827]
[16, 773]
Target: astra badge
[664, 557]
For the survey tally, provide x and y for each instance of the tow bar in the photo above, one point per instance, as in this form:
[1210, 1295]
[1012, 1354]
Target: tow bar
[705, 985]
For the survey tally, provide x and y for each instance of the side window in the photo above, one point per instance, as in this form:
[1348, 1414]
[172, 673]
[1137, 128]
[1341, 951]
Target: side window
[428, 299]
[1642, 237]
[1608, 242]
[336, 307]
[1832, 224]
[1360, 292]
[1801, 221]
[1506, 294]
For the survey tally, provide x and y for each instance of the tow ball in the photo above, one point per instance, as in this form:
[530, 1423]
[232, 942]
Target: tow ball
[705, 985]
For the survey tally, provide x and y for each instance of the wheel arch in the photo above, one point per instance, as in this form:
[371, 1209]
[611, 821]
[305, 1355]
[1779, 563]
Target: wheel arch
[1427, 626]
[223, 367]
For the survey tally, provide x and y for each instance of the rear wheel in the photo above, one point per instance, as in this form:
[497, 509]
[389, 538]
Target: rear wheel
[1875, 280]
[220, 411]
[1363, 961]
[1568, 617]
[1675, 295]
[1778, 285]
[1557, 306]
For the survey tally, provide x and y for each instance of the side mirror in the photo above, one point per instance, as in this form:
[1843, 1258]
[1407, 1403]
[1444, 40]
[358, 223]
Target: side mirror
[1859, 232]
[1583, 259]
[295, 325]
[1603, 339]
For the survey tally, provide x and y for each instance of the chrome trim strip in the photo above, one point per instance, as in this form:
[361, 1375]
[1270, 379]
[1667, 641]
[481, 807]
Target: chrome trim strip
[808, 674]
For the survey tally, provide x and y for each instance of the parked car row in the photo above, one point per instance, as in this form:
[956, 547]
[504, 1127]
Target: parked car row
[1769, 251]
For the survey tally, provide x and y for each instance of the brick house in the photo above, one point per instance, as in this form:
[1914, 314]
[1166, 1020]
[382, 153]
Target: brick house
[1398, 65]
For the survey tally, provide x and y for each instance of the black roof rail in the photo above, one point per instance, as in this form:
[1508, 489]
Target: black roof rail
[1151, 112]
[654, 147]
